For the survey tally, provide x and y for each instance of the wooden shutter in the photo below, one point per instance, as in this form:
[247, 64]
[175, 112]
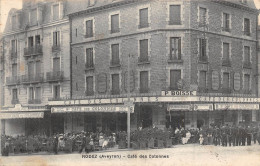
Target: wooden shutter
[115, 83]
[57, 92]
[14, 46]
[115, 54]
[175, 76]
[33, 17]
[144, 81]
[115, 23]
[175, 14]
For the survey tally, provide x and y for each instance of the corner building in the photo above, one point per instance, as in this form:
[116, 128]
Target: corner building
[192, 63]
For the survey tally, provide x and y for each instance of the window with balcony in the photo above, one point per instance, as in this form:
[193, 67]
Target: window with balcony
[89, 86]
[246, 83]
[56, 91]
[247, 61]
[175, 48]
[30, 42]
[202, 16]
[33, 17]
[115, 23]
[56, 41]
[30, 70]
[37, 40]
[115, 61]
[89, 28]
[89, 58]
[56, 74]
[175, 15]
[246, 27]
[226, 55]
[226, 22]
[202, 81]
[143, 18]
[225, 83]
[203, 50]
[15, 96]
[55, 11]
[115, 84]
[143, 54]
[175, 77]
[144, 82]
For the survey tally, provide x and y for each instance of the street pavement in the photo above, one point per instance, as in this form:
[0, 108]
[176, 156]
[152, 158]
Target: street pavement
[180, 155]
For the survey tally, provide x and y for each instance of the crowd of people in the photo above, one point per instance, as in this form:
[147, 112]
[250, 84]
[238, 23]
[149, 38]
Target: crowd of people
[88, 141]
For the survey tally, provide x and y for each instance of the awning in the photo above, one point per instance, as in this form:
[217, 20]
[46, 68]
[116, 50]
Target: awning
[102, 108]
[236, 106]
[21, 115]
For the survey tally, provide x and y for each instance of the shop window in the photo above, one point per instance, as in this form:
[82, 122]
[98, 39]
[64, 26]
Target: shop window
[175, 77]
[56, 38]
[89, 28]
[143, 50]
[175, 15]
[246, 27]
[115, 54]
[144, 82]
[226, 22]
[143, 18]
[115, 84]
[175, 49]
[56, 92]
[89, 86]
[89, 58]
[115, 23]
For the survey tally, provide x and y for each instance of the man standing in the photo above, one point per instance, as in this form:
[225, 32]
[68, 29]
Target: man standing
[248, 135]
[55, 144]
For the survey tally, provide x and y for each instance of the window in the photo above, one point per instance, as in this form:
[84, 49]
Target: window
[37, 40]
[226, 56]
[56, 65]
[14, 96]
[89, 58]
[55, 11]
[175, 48]
[225, 84]
[203, 50]
[202, 16]
[175, 15]
[33, 17]
[56, 92]
[13, 21]
[115, 54]
[246, 82]
[143, 50]
[56, 38]
[38, 68]
[203, 80]
[89, 28]
[30, 41]
[143, 18]
[13, 46]
[115, 84]
[246, 54]
[89, 86]
[115, 23]
[144, 82]
[37, 95]
[175, 77]
[31, 94]
[243, 1]
[30, 69]
[226, 22]
[14, 70]
[246, 27]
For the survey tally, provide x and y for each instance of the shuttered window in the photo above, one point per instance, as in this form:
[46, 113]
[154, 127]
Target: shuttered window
[225, 81]
[115, 23]
[175, 76]
[89, 58]
[143, 18]
[30, 41]
[14, 46]
[203, 15]
[175, 49]
[56, 92]
[56, 65]
[247, 54]
[38, 68]
[202, 79]
[226, 51]
[115, 84]
[55, 12]
[89, 28]
[15, 94]
[31, 94]
[144, 82]
[202, 48]
[89, 86]
[37, 40]
[175, 15]
[56, 38]
[247, 26]
[115, 54]
[143, 51]
[38, 93]
[14, 70]
[246, 82]
[226, 21]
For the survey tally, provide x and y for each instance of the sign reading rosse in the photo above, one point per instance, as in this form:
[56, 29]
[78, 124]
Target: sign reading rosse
[108, 108]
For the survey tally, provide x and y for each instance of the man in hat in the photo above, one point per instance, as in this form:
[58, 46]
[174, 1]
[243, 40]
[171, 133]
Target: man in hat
[55, 144]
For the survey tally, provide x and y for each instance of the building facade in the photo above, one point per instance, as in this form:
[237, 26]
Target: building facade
[35, 50]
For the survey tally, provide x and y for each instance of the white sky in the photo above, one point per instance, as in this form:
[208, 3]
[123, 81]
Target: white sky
[6, 5]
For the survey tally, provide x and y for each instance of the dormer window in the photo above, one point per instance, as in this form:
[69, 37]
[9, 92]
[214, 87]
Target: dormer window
[56, 11]
[33, 17]
[14, 19]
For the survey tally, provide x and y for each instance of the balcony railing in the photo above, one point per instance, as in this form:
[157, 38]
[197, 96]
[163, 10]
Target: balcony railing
[35, 101]
[35, 50]
[226, 29]
[13, 80]
[15, 101]
[55, 48]
[247, 65]
[143, 25]
[55, 76]
[226, 62]
[32, 78]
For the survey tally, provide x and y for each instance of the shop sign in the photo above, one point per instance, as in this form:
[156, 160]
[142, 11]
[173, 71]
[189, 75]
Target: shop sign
[203, 107]
[179, 107]
[236, 106]
[179, 93]
[21, 115]
[103, 108]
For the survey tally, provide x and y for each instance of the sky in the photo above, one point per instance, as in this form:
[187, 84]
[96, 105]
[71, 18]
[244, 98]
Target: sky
[6, 5]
